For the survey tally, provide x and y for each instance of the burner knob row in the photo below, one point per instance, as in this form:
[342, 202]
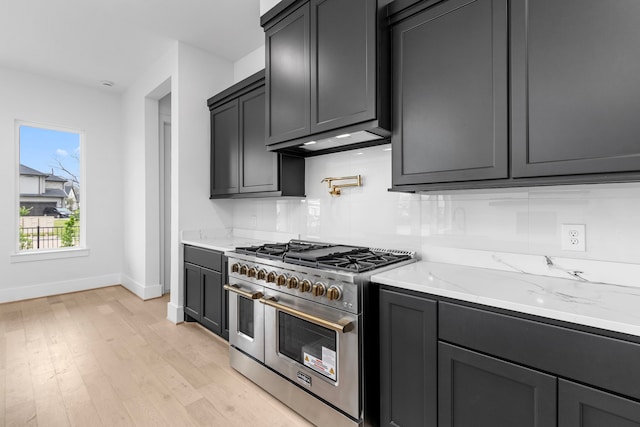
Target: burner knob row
[318, 289]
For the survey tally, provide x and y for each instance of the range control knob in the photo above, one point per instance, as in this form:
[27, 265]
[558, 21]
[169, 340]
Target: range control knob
[262, 274]
[271, 277]
[333, 293]
[235, 268]
[318, 289]
[244, 269]
[252, 272]
[305, 286]
[292, 282]
[281, 280]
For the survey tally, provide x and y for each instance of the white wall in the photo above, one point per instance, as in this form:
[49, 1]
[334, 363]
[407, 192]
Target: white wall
[248, 65]
[192, 76]
[265, 5]
[47, 101]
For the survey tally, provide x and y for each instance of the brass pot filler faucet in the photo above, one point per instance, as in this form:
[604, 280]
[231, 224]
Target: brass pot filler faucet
[334, 189]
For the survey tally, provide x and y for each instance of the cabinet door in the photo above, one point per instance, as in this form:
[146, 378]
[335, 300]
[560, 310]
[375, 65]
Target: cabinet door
[450, 93]
[581, 406]
[575, 91]
[408, 360]
[224, 149]
[480, 391]
[343, 61]
[192, 291]
[287, 77]
[212, 300]
[258, 167]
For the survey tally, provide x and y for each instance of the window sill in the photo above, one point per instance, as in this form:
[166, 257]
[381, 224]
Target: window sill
[48, 255]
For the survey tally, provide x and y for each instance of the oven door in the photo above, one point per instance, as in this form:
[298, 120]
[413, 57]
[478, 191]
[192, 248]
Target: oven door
[314, 346]
[246, 318]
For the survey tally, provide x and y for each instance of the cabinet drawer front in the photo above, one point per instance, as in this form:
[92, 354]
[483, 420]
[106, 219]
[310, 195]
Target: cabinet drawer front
[604, 362]
[203, 257]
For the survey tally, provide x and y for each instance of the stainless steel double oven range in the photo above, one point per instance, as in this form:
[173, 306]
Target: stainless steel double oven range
[296, 323]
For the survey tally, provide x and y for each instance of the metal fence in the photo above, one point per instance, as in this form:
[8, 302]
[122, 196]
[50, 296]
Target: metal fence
[48, 237]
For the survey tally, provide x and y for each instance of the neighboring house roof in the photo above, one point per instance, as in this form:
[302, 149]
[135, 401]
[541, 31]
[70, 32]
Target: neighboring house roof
[55, 178]
[26, 170]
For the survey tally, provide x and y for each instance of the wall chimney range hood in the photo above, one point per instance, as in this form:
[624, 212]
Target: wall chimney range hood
[327, 76]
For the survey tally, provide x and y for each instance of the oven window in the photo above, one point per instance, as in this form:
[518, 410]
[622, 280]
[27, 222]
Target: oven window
[308, 344]
[245, 316]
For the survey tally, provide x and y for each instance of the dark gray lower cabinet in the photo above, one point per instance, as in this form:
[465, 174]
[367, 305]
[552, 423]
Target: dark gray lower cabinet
[476, 390]
[457, 364]
[205, 298]
[581, 406]
[408, 356]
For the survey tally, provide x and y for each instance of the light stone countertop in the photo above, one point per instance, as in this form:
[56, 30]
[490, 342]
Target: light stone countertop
[223, 244]
[228, 240]
[611, 307]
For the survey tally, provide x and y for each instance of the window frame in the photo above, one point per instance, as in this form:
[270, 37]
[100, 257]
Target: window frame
[58, 253]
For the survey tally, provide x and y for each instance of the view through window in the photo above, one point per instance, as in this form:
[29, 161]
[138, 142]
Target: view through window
[50, 185]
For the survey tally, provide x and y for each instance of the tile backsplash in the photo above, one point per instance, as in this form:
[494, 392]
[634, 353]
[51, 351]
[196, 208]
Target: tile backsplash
[511, 229]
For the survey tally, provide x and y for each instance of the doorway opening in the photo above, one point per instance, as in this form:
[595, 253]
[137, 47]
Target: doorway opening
[164, 167]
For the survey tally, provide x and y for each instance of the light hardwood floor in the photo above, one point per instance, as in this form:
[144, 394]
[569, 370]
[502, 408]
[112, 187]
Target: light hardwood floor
[106, 358]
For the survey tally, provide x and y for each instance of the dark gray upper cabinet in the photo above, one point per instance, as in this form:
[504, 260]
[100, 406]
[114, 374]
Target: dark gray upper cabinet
[342, 63]
[224, 149]
[450, 93]
[288, 77]
[241, 165]
[259, 167]
[326, 71]
[575, 68]
[573, 79]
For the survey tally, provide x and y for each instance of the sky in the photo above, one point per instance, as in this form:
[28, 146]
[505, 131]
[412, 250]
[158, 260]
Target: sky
[39, 149]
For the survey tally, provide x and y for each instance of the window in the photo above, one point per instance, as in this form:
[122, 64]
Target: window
[49, 199]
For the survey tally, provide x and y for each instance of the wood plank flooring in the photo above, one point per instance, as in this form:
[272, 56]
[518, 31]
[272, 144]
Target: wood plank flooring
[106, 358]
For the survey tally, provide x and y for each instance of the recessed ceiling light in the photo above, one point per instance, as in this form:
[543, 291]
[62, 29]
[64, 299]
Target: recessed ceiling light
[310, 143]
[344, 135]
[107, 83]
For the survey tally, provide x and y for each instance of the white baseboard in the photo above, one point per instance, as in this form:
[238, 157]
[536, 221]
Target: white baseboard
[145, 292]
[55, 288]
[175, 313]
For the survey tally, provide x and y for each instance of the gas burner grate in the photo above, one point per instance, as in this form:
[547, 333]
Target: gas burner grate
[327, 256]
[361, 262]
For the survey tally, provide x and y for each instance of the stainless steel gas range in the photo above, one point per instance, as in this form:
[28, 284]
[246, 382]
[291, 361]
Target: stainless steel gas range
[296, 316]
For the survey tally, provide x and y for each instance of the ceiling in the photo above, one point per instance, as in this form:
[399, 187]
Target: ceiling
[87, 41]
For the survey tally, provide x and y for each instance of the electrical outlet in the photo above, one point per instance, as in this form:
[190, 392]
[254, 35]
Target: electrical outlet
[573, 237]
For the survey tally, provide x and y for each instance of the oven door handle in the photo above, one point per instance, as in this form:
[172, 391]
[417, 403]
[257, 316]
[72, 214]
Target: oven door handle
[341, 326]
[236, 289]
